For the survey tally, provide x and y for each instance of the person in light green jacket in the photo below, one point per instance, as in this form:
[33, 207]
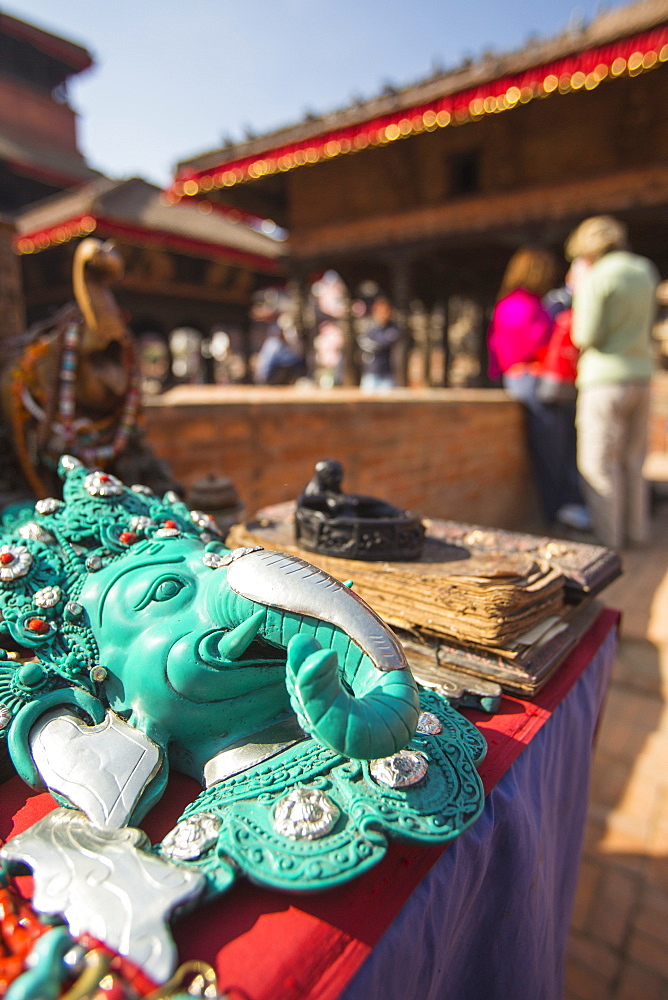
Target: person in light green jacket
[613, 312]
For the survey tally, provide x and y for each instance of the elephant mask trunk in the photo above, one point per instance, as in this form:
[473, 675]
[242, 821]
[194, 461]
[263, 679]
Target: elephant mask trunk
[367, 714]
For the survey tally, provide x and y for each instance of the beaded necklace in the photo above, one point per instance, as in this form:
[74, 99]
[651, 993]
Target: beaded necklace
[91, 454]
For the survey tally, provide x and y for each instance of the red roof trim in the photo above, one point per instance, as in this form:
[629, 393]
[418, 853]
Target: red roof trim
[84, 225]
[584, 70]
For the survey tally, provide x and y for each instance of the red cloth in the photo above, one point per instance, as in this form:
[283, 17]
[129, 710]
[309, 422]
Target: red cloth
[561, 357]
[270, 945]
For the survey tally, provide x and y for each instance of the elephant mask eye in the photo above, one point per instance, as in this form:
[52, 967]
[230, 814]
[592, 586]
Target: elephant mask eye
[163, 589]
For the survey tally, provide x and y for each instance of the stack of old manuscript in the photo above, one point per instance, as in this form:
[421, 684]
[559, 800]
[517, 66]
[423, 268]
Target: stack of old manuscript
[487, 601]
[479, 601]
[483, 603]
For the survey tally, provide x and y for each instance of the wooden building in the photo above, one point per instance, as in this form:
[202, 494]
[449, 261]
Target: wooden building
[39, 152]
[187, 267]
[428, 190]
[12, 314]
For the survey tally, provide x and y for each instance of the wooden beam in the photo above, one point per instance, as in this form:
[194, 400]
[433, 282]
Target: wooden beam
[622, 191]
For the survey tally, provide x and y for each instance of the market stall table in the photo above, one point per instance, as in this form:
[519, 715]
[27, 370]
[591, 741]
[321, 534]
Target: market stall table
[488, 917]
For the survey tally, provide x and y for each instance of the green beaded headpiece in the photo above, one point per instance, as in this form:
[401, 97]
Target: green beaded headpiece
[47, 554]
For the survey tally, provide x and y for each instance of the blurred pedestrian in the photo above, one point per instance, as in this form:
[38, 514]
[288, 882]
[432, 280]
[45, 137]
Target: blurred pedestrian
[518, 338]
[613, 312]
[376, 345]
[557, 389]
[279, 361]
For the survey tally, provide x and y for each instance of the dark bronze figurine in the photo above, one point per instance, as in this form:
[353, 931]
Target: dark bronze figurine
[351, 525]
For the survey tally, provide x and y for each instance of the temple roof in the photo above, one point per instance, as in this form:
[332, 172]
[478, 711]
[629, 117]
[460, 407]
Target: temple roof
[135, 211]
[75, 57]
[627, 40]
[59, 165]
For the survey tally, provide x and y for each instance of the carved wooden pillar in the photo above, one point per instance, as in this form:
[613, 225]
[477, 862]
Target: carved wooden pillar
[351, 375]
[401, 292]
[12, 308]
[445, 341]
[300, 291]
[245, 331]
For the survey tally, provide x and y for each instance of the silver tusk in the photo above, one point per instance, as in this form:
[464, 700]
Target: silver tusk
[292, 584]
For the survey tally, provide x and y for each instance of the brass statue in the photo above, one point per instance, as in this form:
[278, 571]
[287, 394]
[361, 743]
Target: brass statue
[71, 384]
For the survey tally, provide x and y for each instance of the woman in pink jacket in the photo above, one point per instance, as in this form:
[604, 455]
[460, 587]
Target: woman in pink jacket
[518, 338]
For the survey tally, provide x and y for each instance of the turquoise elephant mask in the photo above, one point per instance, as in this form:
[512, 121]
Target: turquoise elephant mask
[147, 644]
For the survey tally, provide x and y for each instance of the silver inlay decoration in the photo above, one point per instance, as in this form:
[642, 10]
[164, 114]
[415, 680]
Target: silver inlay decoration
[35, 532]
[69, 462]
[5, 716]
[106, 884]
[252, 750]
[93, 564]
[171, 496]
[145, 491]
[292, 584]
[401, 770]
[47, 597]
[102, 484]
[202, 519]
[167, 533]
[15, 562]
[140, 521]
[305, 814]
[192, 837]
[429, 723]
[214, 560]
[48, 506]
[101, 769]
[235, 554]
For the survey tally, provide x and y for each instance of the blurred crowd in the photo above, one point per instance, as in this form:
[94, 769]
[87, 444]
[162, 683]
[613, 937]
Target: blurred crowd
[576, 353]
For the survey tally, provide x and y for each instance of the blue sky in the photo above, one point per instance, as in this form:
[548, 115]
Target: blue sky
[174, 77]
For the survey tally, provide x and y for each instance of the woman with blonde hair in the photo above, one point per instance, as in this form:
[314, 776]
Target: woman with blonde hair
[613, 312]
[518, 338]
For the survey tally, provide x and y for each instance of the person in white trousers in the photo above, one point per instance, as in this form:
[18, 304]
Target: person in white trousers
[613, 311]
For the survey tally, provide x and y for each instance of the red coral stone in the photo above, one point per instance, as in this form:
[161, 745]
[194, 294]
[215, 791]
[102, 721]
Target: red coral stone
[6, 558]
[37, 625]
[169, 524]
[103, 477]
[127, 537]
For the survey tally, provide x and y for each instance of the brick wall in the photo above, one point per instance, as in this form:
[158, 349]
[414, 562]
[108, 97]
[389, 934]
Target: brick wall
[446, 453]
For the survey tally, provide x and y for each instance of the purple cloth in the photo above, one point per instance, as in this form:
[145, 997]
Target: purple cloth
[519, 331]
[491, 919]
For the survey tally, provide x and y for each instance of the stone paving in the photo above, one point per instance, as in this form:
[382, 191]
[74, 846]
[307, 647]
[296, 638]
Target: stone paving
[618, 947]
